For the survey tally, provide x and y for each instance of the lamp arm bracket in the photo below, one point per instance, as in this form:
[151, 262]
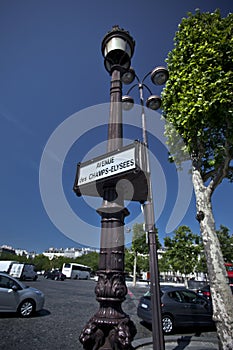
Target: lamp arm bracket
[144, 85]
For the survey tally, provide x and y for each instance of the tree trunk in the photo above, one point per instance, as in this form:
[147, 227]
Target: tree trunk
[219, 285]
[135, 269]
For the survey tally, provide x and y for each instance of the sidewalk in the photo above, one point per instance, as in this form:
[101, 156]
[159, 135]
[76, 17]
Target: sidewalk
[180, 343]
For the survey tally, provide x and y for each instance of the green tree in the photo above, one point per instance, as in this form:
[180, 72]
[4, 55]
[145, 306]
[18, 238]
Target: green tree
[164, 264]
[13, 257]
[129, 261]
[140, 247]
[142, 263]
[182, 251]
[91, 259]
[226, 243]
[197, 102]
[139, 242]
[201, 264]
[41, 262]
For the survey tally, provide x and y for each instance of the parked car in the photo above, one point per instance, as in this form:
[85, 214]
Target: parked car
[16, 297]
[180, 307]
[56, 275]
[23, 271]
[205, 291]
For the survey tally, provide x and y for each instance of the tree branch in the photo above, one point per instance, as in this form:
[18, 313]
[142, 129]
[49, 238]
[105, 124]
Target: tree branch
[223, 171]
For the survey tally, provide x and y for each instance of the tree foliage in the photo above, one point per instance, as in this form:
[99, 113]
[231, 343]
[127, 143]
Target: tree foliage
[182, 251]
[91, 259]
[198, 103]
[226, 243]
[129, 261]
[139, 241]
[198, 98]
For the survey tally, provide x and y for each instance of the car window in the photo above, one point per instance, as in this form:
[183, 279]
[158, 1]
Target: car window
[175, 296]
[6, 282]
[190, 297]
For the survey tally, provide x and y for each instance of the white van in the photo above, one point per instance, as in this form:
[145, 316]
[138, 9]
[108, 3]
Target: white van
[23, 271]
[5, 265]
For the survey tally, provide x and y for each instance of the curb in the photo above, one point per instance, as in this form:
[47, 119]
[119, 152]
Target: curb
[176, 343]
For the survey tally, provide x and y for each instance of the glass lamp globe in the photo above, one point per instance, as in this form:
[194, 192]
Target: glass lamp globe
[153, 102]
[128, 76]
[117, 48]
[127, 103]
[159, 75]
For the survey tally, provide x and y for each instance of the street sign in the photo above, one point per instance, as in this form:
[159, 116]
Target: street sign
[128, 163]
[111, 165]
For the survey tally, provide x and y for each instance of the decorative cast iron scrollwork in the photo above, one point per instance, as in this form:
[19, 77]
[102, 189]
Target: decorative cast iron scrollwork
[111, 286]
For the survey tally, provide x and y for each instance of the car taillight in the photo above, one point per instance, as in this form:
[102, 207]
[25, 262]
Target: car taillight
[207, 294]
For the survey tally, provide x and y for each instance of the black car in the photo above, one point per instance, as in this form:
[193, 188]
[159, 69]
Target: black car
[180, 307]
[56, 275]
[205, 291]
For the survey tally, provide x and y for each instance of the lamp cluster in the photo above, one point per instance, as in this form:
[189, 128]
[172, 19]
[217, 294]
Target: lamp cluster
[158, 75]
[118, 49]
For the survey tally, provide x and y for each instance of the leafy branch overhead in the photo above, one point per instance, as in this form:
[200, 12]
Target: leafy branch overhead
[198, 97]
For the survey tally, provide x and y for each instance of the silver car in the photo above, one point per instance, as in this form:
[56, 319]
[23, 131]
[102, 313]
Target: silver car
[16, 297]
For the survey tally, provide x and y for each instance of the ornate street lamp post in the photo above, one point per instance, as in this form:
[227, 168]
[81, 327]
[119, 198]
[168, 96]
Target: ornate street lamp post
[110, 327]
[159, 76]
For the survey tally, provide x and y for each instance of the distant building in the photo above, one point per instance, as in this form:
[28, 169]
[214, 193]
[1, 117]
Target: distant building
[53, 252]
[4, 249]
[23, 252]
[67, 252]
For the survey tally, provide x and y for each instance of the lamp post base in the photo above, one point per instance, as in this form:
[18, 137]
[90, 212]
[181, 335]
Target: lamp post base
[110, 328]
[103, 336]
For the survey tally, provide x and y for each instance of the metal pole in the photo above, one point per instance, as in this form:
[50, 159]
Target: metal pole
[111, 328]
[148, 211]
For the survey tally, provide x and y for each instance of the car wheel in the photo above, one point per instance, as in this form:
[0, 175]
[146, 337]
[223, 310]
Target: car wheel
[56, 278]
[26, 308]
[168, 324]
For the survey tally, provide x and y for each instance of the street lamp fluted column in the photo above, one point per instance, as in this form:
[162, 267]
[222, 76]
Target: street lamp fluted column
[115, 128]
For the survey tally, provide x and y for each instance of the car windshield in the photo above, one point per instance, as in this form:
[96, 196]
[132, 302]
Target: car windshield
[148, 294]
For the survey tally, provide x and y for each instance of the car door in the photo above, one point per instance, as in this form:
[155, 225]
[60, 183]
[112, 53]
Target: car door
[179, 308]
[198, 309]
[8, 297]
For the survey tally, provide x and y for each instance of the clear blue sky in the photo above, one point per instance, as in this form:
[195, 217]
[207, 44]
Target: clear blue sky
[51, 68]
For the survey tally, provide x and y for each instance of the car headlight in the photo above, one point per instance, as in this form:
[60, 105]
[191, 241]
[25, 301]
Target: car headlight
[38, 292]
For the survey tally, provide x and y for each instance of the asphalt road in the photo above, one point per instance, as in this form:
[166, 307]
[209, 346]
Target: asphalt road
[68, 307]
